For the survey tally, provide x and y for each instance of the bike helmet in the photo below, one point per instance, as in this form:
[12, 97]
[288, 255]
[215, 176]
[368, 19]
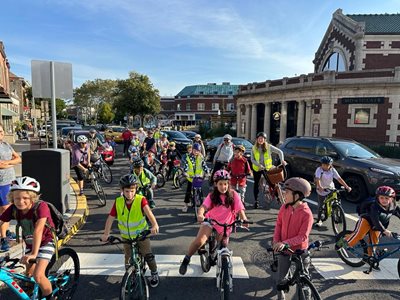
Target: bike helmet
[172, 144]
[25, 183]
[82, 139]
[164, 135]
[227, 137]
[197, 136]
[262, 134]
[385, 191]
[298, 184]
[326, 160]
[221, 175]
[189, 146]
[240, 147]
[134, 149]
[197, 147]
[92, 130]
[127, 181]
[137, 163]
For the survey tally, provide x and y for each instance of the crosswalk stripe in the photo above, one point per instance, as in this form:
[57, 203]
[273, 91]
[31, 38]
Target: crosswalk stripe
[106, 264]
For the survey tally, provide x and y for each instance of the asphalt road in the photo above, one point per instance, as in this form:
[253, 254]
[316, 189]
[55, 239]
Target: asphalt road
[177, 229]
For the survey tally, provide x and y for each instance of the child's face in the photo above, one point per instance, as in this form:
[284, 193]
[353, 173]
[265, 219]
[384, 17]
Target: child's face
[385, 201]
[138, 170]
[22, 200]
[326, 167]
[129, 192]
[195, 152]
[223, 186]
[238, 153]
[288, 196]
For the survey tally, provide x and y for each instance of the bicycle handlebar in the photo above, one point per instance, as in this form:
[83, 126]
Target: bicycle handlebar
[236, 222]
[113, 240]
[317, 245]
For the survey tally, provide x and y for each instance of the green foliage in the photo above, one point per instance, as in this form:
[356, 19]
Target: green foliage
[60, 109]
[105, 114]
[386, 151]
[221, 130]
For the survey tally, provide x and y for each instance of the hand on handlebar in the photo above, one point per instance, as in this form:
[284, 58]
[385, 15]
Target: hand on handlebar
[200, 218]
[278, 247]
[104, 238]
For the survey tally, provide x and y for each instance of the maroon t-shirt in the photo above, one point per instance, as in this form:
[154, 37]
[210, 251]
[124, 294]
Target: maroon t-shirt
[28, 220]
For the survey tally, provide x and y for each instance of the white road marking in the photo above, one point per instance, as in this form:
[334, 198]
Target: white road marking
[168, 265]
[335, 268]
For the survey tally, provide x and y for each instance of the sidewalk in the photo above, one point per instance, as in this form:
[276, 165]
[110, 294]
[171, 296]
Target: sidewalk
[75, 216]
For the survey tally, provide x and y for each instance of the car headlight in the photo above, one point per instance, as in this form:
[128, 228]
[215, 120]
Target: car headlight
[382, 171]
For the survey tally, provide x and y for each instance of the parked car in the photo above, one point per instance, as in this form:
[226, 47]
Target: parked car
[106, 151]
[115, 132]
[63, 135]
[361, 168]
[42, 130]
[189, 134]
[211, 146]
[179, 138]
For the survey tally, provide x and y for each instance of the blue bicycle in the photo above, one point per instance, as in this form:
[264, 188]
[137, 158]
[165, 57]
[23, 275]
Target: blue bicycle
[357, 256]
[62, 271]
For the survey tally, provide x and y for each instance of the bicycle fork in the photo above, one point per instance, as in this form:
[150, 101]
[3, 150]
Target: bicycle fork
[224, 253]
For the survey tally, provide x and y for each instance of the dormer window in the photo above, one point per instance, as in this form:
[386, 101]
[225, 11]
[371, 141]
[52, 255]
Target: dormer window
[335, 62]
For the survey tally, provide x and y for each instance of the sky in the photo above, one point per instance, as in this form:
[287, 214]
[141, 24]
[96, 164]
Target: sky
[175, 43]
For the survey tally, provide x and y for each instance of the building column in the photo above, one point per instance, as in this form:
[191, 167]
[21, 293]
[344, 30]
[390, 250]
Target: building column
[300, 118]
[283, 122]
[238, 121]
[248, 122]
[307, 125]
[253, 122]
[267, 119]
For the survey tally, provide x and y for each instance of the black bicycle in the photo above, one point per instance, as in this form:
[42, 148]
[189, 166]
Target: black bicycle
[93, 178]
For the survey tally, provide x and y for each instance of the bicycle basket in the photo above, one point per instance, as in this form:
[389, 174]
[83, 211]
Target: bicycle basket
[276, 175]
[197, 182]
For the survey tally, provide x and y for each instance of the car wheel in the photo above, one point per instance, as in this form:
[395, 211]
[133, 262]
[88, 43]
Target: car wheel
[358, 189]
[289, 172]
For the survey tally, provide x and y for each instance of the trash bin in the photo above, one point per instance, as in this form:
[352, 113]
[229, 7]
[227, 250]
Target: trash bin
[51, 167]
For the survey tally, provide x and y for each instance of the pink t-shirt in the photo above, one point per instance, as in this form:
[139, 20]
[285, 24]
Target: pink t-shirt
[221, 213]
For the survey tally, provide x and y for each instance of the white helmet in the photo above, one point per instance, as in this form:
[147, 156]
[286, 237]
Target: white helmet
[228, 137]
[25, 183]
[82, 139]
[197, 136]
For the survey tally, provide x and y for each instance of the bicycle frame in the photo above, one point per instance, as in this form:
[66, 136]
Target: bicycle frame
[330, 200]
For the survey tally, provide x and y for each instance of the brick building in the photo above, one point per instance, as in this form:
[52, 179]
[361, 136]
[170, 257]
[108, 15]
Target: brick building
[354, 92]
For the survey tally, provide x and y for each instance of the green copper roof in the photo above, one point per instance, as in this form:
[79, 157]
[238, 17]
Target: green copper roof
[379, 24]
[209, 89]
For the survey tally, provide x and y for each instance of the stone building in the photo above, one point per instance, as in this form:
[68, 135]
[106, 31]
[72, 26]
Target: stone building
[354, 91]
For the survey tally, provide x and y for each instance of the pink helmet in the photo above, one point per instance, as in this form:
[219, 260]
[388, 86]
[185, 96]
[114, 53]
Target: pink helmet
[385, 191]
[221, 175]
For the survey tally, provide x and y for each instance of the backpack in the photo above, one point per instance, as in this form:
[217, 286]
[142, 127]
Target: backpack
[60, 229]
[364, 207]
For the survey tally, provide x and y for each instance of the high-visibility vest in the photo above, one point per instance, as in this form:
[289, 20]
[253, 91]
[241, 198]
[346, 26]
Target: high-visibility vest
[130, 222]
[142, 179]
[267, 158]
[197, 171]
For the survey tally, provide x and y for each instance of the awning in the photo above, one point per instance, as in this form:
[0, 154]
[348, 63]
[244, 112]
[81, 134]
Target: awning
[7, 112]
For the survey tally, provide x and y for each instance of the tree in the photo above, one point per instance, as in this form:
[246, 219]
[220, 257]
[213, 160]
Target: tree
[105, 114]
[60, 109]
[137, 96]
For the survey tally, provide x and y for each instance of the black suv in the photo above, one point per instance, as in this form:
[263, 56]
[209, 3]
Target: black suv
[361, 168]
[180, 140]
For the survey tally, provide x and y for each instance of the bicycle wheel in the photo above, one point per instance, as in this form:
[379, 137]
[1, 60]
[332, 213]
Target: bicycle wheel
[224, 288]
[352, 257]
[196, 199]
[106, 173]
[160, 180]
[175, 179]
[338, 219]
[398, 267]
[306, 290]
[99, 191]
[133, 287]
[205, 257]
[64, 273]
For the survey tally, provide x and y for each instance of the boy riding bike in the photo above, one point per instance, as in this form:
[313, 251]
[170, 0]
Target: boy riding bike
[36, 226]
[144, 179]
[131, 210]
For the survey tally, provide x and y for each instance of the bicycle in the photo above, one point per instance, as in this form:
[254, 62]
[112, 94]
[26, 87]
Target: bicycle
[357, 256]
[102, 169]
[159, 175]
[218, 254]
[175, 173]
[297, 274]
[240, 190]
[62, 271]
[332, 207]
[93, 178]
[134, 284]
[197, 194]
[270, 184]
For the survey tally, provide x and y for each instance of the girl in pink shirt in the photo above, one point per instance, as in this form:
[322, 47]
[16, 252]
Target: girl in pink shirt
[222, 205]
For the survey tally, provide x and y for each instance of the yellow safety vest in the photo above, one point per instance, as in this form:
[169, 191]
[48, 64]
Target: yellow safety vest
[142, 179]
[130, 222]
[197, 171]
[267, 158]
[157, 135]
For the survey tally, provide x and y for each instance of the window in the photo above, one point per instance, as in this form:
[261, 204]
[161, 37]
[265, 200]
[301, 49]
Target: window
[215, 106]
[187, 106]
[178, 107]
[362, 115]
[230, 107]
[303, 145]
[200, 106]
[335, 62]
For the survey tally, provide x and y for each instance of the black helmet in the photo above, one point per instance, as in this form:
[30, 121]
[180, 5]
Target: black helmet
[127, 181]
[138, 162]
[326, 160]
[263, 134]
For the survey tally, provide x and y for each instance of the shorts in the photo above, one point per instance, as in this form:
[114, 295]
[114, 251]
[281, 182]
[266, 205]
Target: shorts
[4, 189]
[45, 252]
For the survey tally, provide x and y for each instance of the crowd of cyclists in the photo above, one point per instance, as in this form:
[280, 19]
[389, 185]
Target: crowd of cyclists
[225, 202]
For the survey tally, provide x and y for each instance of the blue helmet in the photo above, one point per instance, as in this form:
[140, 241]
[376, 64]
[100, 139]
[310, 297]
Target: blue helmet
[197, 146]
[326, 160]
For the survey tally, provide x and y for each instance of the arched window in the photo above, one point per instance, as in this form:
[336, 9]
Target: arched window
[335, 62]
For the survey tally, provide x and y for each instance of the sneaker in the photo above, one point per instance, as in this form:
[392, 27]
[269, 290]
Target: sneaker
[318, 224]
[341, 243]
[152, 204]
[154, 279]
[184, 265]
[11, 236]
[4, 245]
[185, 208]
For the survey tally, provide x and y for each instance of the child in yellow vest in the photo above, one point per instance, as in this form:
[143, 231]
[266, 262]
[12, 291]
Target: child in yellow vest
[130, 208]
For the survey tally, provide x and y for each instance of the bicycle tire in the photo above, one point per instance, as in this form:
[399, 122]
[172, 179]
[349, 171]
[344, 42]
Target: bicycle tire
[398, 267]
[338, 219]
[66, 271]
[306, 290]
[205, 257]
[99, 191]
[106, 173]
[348, 257]
[175, 179]
[160, 180]
[132, 287]
[224, 288]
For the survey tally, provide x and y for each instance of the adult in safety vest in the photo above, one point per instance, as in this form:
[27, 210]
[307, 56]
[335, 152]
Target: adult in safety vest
[261, 160]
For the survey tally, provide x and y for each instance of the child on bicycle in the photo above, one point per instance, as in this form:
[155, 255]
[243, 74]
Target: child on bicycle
[293, 225]
[172, 156]
[324, 176]
[145, 179]
[194, 166]
[222, 204]
[239, 168]
[374, 219]
[131, 210]
[36, 223]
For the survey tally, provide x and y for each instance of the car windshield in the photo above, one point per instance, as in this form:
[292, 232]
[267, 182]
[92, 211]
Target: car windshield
[117, 129]
[65, 130]
[355, 150]
[176, 135]
[245, 143]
